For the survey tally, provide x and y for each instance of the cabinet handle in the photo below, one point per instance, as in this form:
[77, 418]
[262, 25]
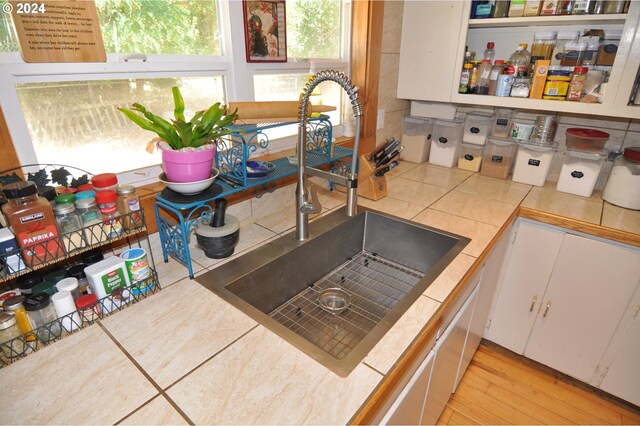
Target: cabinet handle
[546, 310]
[533, 303]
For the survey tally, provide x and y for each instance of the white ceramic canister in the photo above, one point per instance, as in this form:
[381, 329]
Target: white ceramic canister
[532, 164]
[623, 186]
[579, 173]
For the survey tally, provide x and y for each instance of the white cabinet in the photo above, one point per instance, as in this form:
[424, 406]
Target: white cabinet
[562, 302]
[532, 258]
[435, 34]
[407, 408]
[428, 50]
[590, 288]
[622, 375]
[449, 349]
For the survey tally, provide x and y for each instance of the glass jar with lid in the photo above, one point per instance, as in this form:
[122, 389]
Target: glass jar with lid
[521, 87]
[89, 213]
[70, 226]
[129, 206]
[623, 186]
[88, 308]
[77, 272]
[111, 221]
[43, 316]
[8, 332]
[105, 181]
[15, 305]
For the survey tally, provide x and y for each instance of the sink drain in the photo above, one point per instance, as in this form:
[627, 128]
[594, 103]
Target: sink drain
[334, 299]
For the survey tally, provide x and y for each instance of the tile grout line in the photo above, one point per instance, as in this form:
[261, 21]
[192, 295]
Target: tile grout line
[148, 377]
[374, 369]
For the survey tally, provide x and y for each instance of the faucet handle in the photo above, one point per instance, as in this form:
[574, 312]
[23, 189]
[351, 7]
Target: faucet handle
[314, 205]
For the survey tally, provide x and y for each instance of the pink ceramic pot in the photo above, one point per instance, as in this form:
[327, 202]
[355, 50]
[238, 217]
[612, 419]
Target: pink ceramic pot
[185, 166]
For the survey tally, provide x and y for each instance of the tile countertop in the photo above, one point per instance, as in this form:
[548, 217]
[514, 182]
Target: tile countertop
[184, 355]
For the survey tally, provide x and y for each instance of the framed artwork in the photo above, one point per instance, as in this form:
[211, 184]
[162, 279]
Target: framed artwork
[265, 30]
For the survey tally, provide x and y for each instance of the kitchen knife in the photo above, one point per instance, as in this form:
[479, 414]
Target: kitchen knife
[388, 150]
[390, 156]
[385, 169]
[377, 150]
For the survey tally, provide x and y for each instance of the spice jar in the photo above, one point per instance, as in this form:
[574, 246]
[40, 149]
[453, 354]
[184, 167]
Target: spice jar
[464, 78]
[129, 206]
[111, 221]
[474, 76]
[33, 223]
[15, 305]
[70, 284]
[66, 310]
[609, 48]
[85, 194]
[497, 69]
[623, 186]
[42, 316]
[104, 182]
[576, 86]
[65, 199]
[484, 71]
[8, 331]
[88, 308]
[89, 213]
[70, 226]
[77, 272]
[27, 282]
[48, 193]
[520, 88]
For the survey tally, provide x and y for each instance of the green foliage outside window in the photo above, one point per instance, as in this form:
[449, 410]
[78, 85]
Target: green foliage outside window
[313, 29]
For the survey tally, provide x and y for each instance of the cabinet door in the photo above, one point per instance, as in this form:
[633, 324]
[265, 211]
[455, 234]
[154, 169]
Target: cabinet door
[623, 375]
[589, 290]
[530, 265]
[428, 50]
[407, 408]
[448, 351]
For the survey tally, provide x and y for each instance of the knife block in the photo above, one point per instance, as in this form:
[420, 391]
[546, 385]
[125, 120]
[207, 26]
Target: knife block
[370, 186]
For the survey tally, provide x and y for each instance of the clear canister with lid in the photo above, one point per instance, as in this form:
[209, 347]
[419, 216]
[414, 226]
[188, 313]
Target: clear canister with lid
[43, 316]
[609, 48]
[521, 87]
[9, 331]
[128, 205]
[532, 164]
[543, 44]
[573, 54]
[477, 126]
[470, 157]
[104, 181]
[111, 220]
[445, 143]
[70, 226]
[562, 38]
[498, 158]
[502, 118]
[623, 186]
[416, 139]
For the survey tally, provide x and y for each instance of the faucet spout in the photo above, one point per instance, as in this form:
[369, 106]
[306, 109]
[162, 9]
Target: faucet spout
[303, 204]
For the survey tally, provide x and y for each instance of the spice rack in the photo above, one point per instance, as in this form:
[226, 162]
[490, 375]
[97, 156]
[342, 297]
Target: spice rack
[19, 347]
[177, 215]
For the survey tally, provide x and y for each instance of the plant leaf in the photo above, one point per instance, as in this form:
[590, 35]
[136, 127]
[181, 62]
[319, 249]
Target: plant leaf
[178, 102]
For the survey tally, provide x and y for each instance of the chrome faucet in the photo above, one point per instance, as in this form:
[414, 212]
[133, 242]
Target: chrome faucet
[304, 206]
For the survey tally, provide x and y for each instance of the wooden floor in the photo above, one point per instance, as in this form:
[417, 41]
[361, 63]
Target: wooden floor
[501, 387]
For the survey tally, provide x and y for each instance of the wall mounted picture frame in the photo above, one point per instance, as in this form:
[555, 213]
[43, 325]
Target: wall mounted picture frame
[265, 30]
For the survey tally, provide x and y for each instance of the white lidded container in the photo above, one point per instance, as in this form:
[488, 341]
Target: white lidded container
[498, 158]
[477, 126]
[416, 139]
[470, 157]
[105, 277]
[623, 186]
[579, 173]
[445, 142]
[532, 164]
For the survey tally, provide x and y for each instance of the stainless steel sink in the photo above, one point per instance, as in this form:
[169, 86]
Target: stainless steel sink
[376, 265]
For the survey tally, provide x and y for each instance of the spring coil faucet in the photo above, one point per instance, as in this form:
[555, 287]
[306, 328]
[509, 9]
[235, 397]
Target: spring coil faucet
[304, 206]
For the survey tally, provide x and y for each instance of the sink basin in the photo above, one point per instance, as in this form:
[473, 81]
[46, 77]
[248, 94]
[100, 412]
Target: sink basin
[336, 294]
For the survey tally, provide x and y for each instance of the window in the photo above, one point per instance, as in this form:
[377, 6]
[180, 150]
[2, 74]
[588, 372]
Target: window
[67, 113]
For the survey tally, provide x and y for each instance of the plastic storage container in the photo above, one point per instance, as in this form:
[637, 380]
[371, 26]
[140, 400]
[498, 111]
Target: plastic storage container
[498, 158]
[501, 127]
[470, 157]
[579, 173]
[585, 139]
[476, 128]
[416, 139]
[532, 164]
[445, 143]
[623, 185]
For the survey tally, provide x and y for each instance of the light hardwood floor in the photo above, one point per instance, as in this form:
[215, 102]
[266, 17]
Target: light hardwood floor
[501, 387]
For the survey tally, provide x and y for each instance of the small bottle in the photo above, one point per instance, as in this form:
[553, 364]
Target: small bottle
[498, 68]
[8, 331]
[43, 316]
[88, 308]
[66, 198]
[89, 213]
[15, 306]
[489, 53]
[474, 76]
[70, 226]
[464, 78]
[129, 206]
[518, 63]
[111, 221]
[576, 86]
[484, 73]
[104, 182]
[520, 87]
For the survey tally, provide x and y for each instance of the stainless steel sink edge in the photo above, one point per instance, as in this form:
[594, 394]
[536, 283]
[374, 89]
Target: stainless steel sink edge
[256, 259]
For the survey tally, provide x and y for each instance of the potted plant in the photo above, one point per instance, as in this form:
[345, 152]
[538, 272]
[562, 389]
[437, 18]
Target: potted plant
[188, 147]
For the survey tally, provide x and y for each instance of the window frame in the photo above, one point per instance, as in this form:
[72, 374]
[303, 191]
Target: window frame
[231, 65]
